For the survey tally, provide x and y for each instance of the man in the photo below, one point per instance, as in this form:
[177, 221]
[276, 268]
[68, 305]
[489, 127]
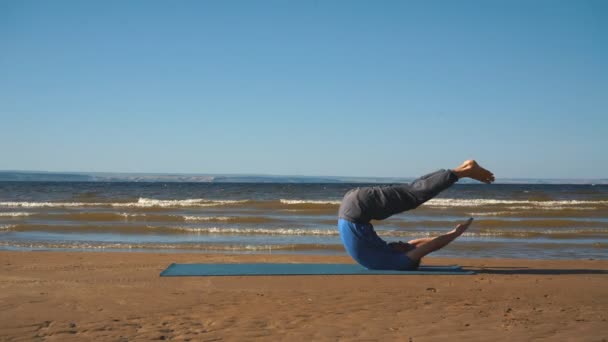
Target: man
[361, 205]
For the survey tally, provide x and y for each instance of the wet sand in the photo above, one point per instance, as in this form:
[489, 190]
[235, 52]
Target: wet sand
[65, 296]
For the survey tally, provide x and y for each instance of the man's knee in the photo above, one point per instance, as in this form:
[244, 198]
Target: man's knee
[401, 246]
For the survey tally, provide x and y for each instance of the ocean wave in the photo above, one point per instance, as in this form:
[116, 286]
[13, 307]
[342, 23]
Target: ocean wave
[99, 216]
[317, 202]
[509, 223]
[167, 229]
[545, 207]
[15, 214]
[547, 233]
[231, 219]
[109, 216]
[481, 231]
[141, 203]
[196, 202]
[507, 233]
[208, 218]
[190, 247]
[94, 216]
[494, 213]
[459, 202]
[48, 204]
[258, 231]
[566, 213]
[155, 203]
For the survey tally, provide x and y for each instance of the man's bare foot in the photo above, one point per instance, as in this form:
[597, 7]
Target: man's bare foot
[471, 169]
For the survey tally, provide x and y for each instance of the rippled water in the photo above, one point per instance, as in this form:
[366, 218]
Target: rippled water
[530, 221]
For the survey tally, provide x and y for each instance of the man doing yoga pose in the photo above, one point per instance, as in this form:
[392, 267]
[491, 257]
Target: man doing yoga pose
[361, 205]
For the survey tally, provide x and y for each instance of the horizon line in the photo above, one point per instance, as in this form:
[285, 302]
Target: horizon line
[177, 174]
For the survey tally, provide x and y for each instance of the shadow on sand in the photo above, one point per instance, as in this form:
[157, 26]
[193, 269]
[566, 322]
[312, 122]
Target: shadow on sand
[536, 271]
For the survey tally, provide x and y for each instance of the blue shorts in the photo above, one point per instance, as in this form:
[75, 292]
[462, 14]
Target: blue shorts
[368, 249]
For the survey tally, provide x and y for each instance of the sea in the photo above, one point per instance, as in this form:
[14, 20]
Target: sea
[538, 221]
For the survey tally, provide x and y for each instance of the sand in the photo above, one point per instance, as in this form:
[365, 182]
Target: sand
[79, 296]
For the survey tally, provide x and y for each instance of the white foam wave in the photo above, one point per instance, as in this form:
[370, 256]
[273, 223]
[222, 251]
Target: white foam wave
[458, 202]
[294, 202]
[498, 233]
[141, 203]
[15, 214]
[47, 204]
[291, 231]
[402, 233]
[514, 211]
[436, 203]
[529, 232]
[128, 215]
[258, 231]
[494, 213]
[152, 246]
[180, 217]
[528, 207]
[195, 202]
[6, 226]
[207, 218]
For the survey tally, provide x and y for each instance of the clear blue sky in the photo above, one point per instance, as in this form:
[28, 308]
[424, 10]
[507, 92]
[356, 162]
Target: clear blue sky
[351, 88]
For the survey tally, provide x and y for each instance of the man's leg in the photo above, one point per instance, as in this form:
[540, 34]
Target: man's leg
[411, 244]
[404, 197]
[419, 242]
[380, 202]
[424, 246]
[433, 244]
[429, 186]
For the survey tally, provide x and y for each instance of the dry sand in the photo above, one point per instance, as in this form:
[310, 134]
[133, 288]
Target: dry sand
[81, 296]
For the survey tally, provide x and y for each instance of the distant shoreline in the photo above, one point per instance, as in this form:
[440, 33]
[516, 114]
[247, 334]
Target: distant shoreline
[46, 176]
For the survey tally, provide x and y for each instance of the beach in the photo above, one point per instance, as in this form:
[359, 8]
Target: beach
[113, 296]
[380, 135]
[81, 261]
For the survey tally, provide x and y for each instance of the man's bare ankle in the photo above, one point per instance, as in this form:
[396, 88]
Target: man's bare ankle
[462, 170]
[459, 173]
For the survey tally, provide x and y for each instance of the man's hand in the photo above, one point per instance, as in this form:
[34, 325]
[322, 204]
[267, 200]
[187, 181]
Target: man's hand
[461, 228]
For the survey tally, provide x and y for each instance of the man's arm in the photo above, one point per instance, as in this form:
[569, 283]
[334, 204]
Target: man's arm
[438, 242]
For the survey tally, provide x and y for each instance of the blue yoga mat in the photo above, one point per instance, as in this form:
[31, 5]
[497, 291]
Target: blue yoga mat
[192, 270]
